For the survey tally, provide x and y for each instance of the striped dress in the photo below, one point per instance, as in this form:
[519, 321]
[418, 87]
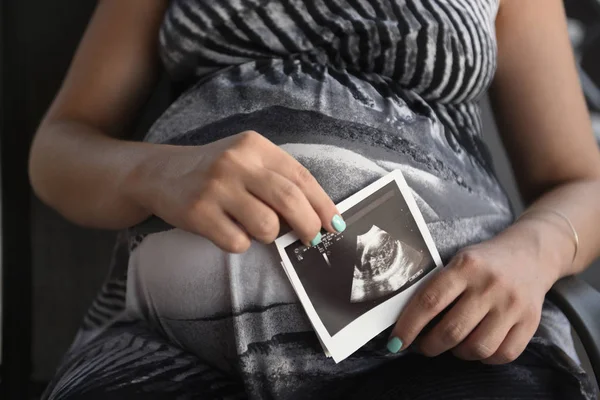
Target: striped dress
[352, 89]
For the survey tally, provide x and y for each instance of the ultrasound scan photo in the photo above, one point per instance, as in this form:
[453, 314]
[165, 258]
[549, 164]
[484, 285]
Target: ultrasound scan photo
[353, 284]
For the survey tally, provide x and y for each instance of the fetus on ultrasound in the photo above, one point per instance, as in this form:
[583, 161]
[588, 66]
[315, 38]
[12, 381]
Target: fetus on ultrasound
[382, 265]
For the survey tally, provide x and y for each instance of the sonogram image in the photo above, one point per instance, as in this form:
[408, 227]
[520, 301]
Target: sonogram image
[383, 265]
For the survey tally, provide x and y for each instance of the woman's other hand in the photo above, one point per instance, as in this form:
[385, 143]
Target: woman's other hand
[232, 190]
[490, 294]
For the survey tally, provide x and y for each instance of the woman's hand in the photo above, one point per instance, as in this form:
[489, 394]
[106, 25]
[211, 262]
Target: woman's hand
[233, 189]
[492, 294]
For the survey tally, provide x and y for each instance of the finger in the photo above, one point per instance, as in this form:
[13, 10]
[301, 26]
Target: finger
[455, 326]
[218, 227]
[483, 342]
[513, 345]
[433, 298]
[289, 201]
[259, 220]
[290, 168]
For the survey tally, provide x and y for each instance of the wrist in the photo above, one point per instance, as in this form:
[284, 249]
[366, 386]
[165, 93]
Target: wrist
[552, 245]
[150, 172]
[136, 181]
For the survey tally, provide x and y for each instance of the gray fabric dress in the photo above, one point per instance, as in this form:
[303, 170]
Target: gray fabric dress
[352, 89]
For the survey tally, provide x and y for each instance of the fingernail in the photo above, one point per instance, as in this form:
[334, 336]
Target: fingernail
[394, 345]
[316, 240]
[338, 223]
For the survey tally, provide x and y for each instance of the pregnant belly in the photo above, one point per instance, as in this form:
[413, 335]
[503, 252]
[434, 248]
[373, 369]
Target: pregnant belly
[178, 275]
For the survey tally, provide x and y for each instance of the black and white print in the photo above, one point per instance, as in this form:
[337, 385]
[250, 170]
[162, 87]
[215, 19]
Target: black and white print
[385, 250]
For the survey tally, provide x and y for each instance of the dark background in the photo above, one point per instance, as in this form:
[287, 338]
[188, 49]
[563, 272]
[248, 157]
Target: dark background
[37, 41]
[69, 263]
[329, 287]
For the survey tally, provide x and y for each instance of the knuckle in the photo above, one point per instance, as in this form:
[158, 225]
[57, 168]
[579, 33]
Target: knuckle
[507, 355]
[197, 208]
[249, 137]
[302, 175]
[238, 244]
[227, 158]
[468, 261]
[514, 300]
[268, 227]
[480, 351]
[429, 300]
[287, 196]
[453, 333]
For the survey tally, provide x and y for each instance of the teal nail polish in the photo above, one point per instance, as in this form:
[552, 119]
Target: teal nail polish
[316, 240]
[394, 345]
[338, 223]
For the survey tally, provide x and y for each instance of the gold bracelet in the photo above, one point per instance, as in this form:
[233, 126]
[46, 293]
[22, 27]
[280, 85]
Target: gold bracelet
[564, 217]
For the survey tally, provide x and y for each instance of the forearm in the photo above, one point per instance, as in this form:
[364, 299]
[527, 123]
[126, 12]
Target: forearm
[84, 174]
[551, 235]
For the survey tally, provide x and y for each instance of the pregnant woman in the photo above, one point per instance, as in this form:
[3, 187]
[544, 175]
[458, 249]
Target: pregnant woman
[289, 107]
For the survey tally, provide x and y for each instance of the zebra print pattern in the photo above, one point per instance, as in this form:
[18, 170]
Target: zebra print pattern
[357, 87]
[442, 50]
